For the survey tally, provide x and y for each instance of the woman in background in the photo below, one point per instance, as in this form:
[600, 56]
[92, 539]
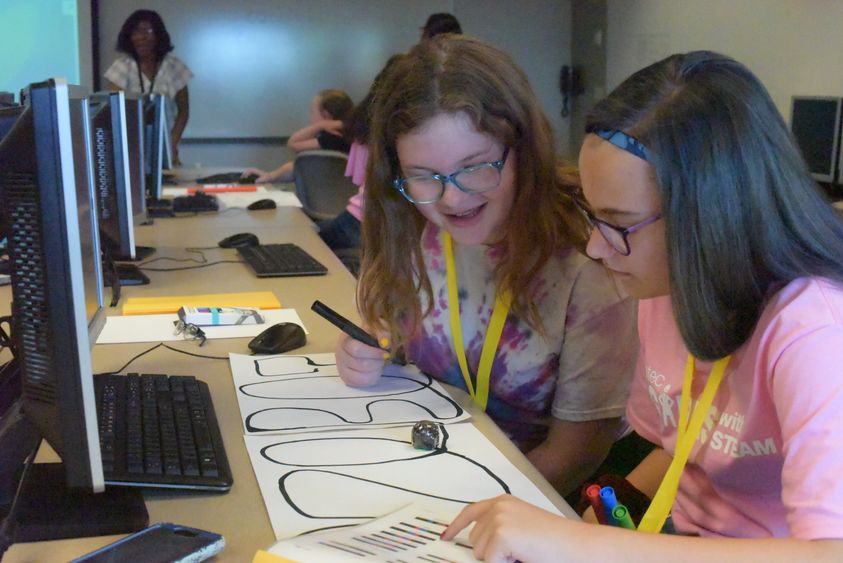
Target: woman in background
[148, 66]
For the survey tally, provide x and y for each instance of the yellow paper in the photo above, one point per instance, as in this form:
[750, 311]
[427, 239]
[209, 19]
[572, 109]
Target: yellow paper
[171, 304]
[266, 557]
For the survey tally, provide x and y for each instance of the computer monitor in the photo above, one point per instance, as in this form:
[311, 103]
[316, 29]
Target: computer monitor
[815, 123]
[137, 175]
[154, 122]
[47, 191]
[56, 273]
[134, 138]
[112, 175]
[112, 182]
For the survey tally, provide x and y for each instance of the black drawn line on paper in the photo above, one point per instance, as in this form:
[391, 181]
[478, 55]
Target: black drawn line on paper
[308, 359]
[282, 481]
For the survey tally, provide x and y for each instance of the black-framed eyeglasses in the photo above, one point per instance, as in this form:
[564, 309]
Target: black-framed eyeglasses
[190, 331]
[474, 179]
[617, 237]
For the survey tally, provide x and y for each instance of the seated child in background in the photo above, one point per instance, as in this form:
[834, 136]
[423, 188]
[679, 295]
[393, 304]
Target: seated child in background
[328, 110]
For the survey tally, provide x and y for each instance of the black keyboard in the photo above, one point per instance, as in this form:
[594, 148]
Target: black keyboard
[227, 178]
[160, 431]
[275, 260]
[195, 203]
[159, 207]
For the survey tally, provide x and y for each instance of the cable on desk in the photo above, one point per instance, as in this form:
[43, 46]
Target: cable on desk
[202, 260]
[192, 267]
[168, 347]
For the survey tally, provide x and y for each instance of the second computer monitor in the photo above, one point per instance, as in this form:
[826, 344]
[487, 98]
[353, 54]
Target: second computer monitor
[134, 137]
[112, 173]
[815, 123]
[155, 129]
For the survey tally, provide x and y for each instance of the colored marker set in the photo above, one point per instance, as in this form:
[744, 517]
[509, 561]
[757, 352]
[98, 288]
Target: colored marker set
[606, 507]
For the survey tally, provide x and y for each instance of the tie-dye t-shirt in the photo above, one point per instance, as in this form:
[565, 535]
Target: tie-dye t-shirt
[579, 372]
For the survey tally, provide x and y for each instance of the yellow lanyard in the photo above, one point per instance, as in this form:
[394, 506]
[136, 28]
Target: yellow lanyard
[687, 433]
[493, 333]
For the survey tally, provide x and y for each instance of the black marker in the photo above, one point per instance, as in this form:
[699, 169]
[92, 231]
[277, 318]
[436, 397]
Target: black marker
[345, 325]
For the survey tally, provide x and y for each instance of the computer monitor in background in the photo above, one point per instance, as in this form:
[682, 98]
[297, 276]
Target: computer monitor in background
[155, 130]
[815, 123]
[134, 138]
[57, 310]
[167, 162]
[112, 183]
[112, 180]
[137, 176]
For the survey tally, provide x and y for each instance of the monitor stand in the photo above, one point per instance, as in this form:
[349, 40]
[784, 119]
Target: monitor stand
[159, 207]
[129, 274]
[47, 509]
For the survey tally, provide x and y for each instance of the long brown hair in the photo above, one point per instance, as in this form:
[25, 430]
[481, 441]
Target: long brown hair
[453, 74]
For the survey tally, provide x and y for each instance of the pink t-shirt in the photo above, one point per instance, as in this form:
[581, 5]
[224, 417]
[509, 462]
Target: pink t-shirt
[769, 461]
[358, 156]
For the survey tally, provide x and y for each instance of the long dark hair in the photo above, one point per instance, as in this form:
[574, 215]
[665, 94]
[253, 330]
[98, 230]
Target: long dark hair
[124, 38]
[742, 215]
[356, 127]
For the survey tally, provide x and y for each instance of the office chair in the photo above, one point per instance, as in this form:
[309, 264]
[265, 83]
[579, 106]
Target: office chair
[321, 184]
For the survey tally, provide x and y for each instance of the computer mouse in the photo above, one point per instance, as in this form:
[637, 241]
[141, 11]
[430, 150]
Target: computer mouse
[278, 338]
[262, 204]
[248, 179]
[238, 240]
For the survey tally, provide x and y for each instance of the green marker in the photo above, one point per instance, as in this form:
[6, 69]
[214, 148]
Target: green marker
[621, 515]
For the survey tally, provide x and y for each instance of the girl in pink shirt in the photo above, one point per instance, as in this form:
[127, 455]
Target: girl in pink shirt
[702, 207]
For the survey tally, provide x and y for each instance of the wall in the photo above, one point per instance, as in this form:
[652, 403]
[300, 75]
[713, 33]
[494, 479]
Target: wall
[588, 57]
[259, 62]
[793, 46]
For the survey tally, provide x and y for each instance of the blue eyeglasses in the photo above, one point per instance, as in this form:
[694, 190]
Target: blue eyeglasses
[474, 179]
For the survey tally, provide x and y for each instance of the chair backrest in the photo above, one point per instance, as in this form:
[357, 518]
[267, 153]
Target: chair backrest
[321, 184]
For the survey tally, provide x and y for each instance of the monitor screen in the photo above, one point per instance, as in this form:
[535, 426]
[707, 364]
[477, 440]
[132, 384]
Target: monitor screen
[134, 139]
[111, 173]
[45, 172]
[815, 123]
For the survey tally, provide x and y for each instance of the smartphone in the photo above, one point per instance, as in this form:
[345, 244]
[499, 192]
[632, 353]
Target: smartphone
[159, 543]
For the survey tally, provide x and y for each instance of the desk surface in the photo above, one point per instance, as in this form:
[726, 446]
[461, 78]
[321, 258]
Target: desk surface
[239, 515]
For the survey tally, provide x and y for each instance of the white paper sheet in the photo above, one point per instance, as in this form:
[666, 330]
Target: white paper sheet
[293, 393]
[180, 191]
[325, 480]
[159, 328]
[411, 533]
[243, 199]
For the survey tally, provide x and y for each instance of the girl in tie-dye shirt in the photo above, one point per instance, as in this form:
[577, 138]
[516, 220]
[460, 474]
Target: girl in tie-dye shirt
[460, 149]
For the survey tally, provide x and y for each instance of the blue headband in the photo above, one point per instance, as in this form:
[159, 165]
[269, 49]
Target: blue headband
[626, 142]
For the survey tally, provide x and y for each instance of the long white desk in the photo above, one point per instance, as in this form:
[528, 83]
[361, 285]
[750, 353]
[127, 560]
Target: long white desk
[238, 515]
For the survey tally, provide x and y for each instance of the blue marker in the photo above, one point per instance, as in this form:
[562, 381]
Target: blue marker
[607, 496]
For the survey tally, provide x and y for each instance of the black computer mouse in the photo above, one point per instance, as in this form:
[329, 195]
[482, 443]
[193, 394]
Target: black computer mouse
[262, 204]
[238, 240]
[278, 338]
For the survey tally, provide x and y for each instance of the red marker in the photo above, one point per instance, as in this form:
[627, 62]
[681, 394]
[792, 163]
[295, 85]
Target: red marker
[592, 493]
